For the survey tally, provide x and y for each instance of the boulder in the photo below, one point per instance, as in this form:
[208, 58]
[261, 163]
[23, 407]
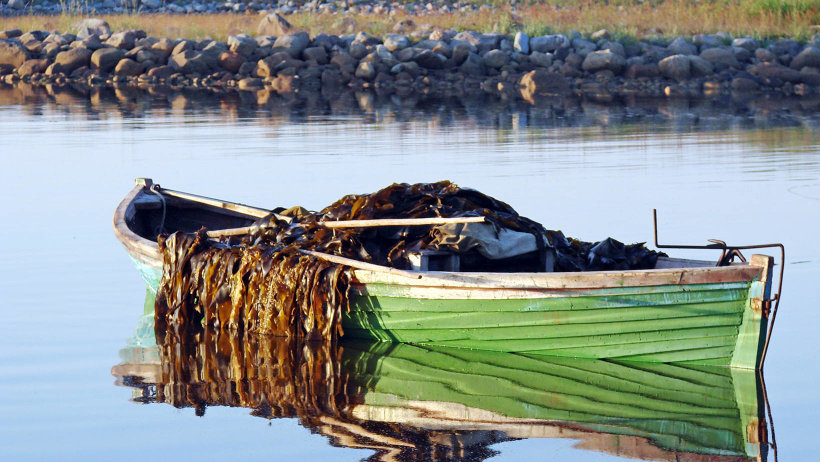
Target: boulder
[542, 83]
[243, 44]
[366, 70]
[91, 26]
[10, 33]
[773, 72]
[405, 26]
[636, 71]
[124, 40]
[583, 47]
[700, 67]
[343, 61]
[32, 66]
[809, 57]
[705, 41]
[162, 72]
[601, 34]
[231, 61]
[743, 84]
[274, 25]
[67, 61]
[749, 44]
[293, 44]
[106, 58]
[540, 59]
[189, 62]
[17, 4]
[395, 42]
[550, 43]
[318, 54]
[473, 65]
[12, 53]
[721, 55]
[764, 55]
[430, 59]
[680, 46]
[603, 60]
[151, 4]
[482, 42]
[496, 59]
[676, 67]
[128, 67]
[521, 43]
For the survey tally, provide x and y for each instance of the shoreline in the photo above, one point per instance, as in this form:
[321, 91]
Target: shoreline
[445, 62]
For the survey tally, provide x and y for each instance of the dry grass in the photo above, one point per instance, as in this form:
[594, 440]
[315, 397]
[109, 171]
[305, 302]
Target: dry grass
[626, 19]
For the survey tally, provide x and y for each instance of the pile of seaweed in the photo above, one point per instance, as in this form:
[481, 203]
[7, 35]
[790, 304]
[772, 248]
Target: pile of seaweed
[264, 282]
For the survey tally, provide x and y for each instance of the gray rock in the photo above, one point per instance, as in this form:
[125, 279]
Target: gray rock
[705, 41]
[128, 67]
[676, 67]
[358, 50]
[742, 54]
[809, 76]
[583, 47]
[162, 72]
[385, 56]
[775, 72]
[601, 34]
[472, 65]
[615, 47]
[242, 44]
[67, 61]
[722, 55]
[274, 25]
[12, 53]
[91, 26]
[430, 59]
[293, 44]
[318, 54]
[366, 70]
[17, 4]
[395, 42]
[550, 43]
[231, 61]
[700, 67]
[603, 60]
[749, 44]
[764, 55]
[366, 39]
[482, 42]
[124, 40]
[106, 58]
[541, 83]
[496, 59]
[521, 43]
[680, 46]
[189, 62]
[541, 59]
[151, 5]
[460, 52]
[410, 67]
[810, 56]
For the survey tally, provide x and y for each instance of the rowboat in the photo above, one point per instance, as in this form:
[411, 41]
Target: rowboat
[682, 311]
[447, 401]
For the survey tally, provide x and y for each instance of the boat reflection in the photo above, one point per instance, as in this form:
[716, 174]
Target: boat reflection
[411, 402]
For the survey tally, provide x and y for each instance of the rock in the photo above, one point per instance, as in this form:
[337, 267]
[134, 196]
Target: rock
[189, 62]
[749, 44]
[276, 63]
[722, 56]
[395, 42]
[366, 70]
[91, 26]
[183, 46]
[762, 54]
[636, 71]
[10, 33]
[742, 54]
[700, 67]
[357, 50]
[521, 43]
[67, 61]
[705, 41]
[92, 42]
[275, 25]
[106, 58]
[17, 4]
[810, 56]
[151, 4]
[242, 44]
[540, 59]
[231, 61]
[317, 54]
[250, 83]
[12, 53]
[293, 44]
[405, 26]
[543, 83]
[473, 65]
[430, 59]
[32, 66]
[603, 60]
[583, 47]
[343, 61]
[332, 79]
[775, 73]
[284, 84]
[742, 84]
[676, 67]
[550, 43]
[601, 34]
[162, 72]
[680, 46]
[482, 42]
[128, 67]
[810, 77]
[366, 39]
[124, 40]
[615, 47]
[496, 59]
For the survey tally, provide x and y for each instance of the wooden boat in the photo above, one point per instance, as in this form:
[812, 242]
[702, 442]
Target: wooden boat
[682, 311]
[410, 399]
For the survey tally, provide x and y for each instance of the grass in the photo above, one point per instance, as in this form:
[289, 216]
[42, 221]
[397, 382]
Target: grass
[626, 19]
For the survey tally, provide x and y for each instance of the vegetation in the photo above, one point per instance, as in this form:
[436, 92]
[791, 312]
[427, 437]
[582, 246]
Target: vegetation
[625, 18]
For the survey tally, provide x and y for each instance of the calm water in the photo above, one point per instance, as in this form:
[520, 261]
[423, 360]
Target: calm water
[739, 171]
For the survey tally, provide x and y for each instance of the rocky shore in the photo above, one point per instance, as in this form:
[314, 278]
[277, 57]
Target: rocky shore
[410, 60]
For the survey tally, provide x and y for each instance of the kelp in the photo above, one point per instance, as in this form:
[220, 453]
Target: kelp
[263, 282]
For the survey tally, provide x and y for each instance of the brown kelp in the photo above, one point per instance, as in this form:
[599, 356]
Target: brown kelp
[263, 281]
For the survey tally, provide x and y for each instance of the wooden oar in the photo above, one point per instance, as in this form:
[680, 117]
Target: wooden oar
[363, 224]
[361, 265]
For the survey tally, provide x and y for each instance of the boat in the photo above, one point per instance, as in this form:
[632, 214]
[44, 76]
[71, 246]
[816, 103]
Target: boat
[682, 311]
[425, 402]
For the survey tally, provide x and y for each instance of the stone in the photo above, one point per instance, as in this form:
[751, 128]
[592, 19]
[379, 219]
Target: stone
[357, 50]
[775, 72]
[92, 42]
[366, 70]
[128, 67]
[521, 43]
[32, 66]
[247, 68]
[742, 84]
[705, 41]
[722, 55]
[676, 67]
[810, 77]
[10, 33]
[17, 4]
[700, 67]
[242, 44]
[430, 59]
[543, 83]
[151, 4]
[231, 61]
[67, 61]
[395, 42]
[91, 26]
[473, 65]
[540, 59]
[250, 83]
[636, 71]
[460, 52]
[12, 53]
[293, 44]
[764, 55]
[549, 43]
[274, 25]
[615, 47]
[318, 54]
[124, 40]
[343, 61]
[106, 58]
[405, 26]
[284, 84]
[749, 44]
[189, 62]
[496, 59]
[603, 60]
[162, 72]
[583, 47]
[482, 42]
[809, 57]
[183, 46]
[366, 39]
[332, 78]
[680, 46]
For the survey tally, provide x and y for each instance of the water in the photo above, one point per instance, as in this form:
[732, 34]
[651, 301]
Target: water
[746, 172]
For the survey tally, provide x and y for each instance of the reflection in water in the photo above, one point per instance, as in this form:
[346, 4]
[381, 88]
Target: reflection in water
[410, 402]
